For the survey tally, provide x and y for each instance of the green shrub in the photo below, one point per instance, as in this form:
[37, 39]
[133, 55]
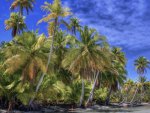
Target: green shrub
[100, 94]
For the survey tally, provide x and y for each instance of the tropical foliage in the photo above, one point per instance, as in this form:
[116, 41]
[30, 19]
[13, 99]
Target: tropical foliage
[16, 23]
[72, 65]
[21, 5]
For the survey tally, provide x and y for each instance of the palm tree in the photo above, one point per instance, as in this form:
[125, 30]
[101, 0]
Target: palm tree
[88, 56]
[60, 44]
[21, 5]
[16, 23]
[55, 12]
[73, 26]
[116, 79]
[126, 90]
[26, 56]
[61, 41]
[119, 55]
[142, 80]
[141, 65]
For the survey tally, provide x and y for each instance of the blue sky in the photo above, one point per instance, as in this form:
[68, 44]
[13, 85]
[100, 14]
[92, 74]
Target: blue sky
[126, 23]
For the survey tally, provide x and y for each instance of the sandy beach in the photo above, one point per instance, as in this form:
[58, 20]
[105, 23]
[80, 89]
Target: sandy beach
[102, 109]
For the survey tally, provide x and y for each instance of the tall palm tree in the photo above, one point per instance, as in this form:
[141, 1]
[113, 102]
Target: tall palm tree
[55, 11]
[115, 79]
[88, 56]
[60, 43]
[114, 75]
[73, 26]
[141, 64]
[16, 23]
[119, 55]
[21, 5]
[26, 56]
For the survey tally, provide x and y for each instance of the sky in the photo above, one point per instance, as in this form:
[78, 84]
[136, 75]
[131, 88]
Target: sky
[125, 23]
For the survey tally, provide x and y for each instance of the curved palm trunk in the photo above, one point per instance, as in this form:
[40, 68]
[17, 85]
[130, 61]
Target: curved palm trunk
[125, 98]
[108, 96]
[98, 84]
[134, 95]
[49, 59]
[142, 92]
[82, 94]
[92, 91]
[131, 102]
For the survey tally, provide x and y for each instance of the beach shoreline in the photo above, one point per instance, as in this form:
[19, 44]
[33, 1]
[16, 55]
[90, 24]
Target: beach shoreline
[143, 108]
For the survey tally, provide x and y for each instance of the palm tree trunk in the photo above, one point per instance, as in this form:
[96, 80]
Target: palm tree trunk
[82, 94]
[125, 98]
[108, 96]
[131, 102]
[92, 91]
[134, 95]
[49, 59]
[142, 93]
[20, 11]
[16, 30]
[9, 106]
[20, 15]
[99, 82]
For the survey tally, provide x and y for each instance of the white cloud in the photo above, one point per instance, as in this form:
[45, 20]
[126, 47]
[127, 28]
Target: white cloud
[125, 23]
